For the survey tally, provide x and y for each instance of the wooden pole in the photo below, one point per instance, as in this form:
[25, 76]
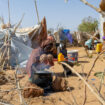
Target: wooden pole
[9, 12]
[4, 54]
[8, 53]
[37, 12]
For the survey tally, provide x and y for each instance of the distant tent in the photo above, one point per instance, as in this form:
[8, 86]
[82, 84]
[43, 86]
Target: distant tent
[65, 35]
[66, 32]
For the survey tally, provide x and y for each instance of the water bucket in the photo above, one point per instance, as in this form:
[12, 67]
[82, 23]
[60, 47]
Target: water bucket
[99, 47]
[72, 56]
[60, 57]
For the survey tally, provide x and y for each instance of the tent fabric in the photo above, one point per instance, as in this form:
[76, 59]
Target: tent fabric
[24, 38]
[67, 35]
[1, 35]
[62, 37]
[20, 48]
[78, 37]
[39, 35]
[20, 53]
[44, 28]
[66, 31]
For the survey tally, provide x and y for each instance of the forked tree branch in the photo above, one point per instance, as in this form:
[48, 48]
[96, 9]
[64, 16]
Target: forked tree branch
[95, 8]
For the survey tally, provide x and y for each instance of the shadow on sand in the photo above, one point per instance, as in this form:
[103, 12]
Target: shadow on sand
[83, 61]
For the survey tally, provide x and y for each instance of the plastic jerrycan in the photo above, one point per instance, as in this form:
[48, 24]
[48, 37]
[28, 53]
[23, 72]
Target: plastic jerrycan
[99, 47]
[60, 57]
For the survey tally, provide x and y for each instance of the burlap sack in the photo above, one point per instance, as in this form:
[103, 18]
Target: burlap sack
[32, 90]
[60, 84]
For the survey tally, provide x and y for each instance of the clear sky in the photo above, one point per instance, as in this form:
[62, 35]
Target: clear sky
[68, 15]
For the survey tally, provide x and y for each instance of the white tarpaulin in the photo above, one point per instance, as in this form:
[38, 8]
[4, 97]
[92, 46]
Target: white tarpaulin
[24, 38]
[20, 48]
[19, 53]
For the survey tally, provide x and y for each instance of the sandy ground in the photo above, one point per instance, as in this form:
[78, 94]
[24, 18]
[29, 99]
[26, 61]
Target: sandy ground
[66, 97]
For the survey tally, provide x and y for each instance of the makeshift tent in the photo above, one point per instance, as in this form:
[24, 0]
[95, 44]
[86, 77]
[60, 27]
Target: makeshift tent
[64, 35]
[17, 46]
[66, 32]
[14, 51]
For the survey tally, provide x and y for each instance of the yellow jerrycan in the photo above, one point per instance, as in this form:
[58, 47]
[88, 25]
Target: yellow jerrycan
[99, 47]
[60, 57]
